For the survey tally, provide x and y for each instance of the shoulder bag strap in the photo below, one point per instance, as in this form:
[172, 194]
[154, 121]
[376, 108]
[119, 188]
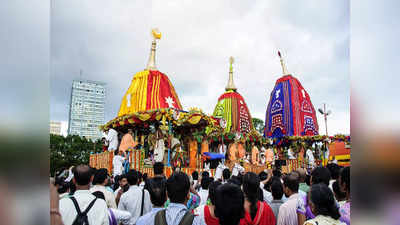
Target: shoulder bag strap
[90, 206]
[78, 210]
[187, 219]
[141, 210]
[160, 218]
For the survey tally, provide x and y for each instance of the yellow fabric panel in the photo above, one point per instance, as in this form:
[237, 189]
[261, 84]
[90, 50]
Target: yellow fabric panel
[228, 113]
[341, 157]
[138, 94]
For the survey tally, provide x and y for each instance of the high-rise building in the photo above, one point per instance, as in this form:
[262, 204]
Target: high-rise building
[55, 127]
[86, 111]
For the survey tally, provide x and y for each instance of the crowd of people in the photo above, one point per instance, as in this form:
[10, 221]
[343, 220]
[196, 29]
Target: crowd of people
[90, 196]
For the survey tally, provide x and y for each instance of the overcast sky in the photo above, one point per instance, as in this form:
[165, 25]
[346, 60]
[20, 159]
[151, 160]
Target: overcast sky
[110, 41]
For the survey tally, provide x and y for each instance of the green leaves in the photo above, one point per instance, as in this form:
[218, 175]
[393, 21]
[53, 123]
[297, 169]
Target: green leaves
[71, 150]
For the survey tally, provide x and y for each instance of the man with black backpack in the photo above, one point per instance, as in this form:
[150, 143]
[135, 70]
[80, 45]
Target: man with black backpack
[83, 208]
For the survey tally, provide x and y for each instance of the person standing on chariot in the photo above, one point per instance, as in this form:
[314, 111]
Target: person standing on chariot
[160, 147]
[255, 155]
[127, 141]
[241, 150]
[269, 155]
[112, 139]
[192, 152]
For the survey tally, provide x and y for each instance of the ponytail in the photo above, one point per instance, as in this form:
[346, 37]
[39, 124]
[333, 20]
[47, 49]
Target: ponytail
[251, 188]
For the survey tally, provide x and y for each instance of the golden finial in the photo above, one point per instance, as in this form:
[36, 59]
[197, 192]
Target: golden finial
[284, 70]
[231, 85]
[151, 64]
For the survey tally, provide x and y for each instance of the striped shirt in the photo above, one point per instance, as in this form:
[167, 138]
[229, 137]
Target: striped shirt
[288, 211]
[175, 213]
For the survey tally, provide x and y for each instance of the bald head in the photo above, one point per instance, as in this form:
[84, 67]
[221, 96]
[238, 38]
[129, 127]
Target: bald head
[303, 173]
[82, 175]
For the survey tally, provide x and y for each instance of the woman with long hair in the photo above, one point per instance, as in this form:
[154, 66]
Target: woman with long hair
[256, 211]
[323, 206]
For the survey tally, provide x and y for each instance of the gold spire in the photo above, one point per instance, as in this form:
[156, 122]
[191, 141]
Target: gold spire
[231, 85]
[284, 70]
[151, 64]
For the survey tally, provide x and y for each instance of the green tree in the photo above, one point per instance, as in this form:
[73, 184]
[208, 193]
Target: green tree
[71, 150]
[258, 125]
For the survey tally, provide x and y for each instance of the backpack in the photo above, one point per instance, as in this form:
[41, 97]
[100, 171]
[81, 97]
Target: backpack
[81, 218]
[160, 218]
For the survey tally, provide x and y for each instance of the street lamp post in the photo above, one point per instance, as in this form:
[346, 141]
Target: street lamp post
[326, 114]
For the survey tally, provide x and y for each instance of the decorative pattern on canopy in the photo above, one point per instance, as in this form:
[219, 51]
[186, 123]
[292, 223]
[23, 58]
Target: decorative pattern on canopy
[290, 111]
[232, 108]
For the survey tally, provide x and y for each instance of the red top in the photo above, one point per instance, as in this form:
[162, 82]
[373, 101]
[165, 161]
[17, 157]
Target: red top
[265, 216]
[210, 220]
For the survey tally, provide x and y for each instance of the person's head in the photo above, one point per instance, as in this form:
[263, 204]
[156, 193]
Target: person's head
[308, 179]
[82, 176]
[123, 180]
[344, 180]
[334, 169]
[263, 176]
[157, 188]
[229, 204]
[130, 131]
[205, 182]
[320, 175]
[339, 195]
[144, 177]
[178, 186]
[195, 175]
[100, 177]
[158, 169]
[251, 185]
[62, 186]
[276, 173]
[132, 177]
[322, 201]
[212, 188]
[226, 174]
[277, 189]
[291, 184]
[205, 174]
[235, 180]
[302, 173]
[140, 177]
[99, 195]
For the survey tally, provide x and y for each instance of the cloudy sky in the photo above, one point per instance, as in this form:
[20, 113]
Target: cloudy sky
[110, 41]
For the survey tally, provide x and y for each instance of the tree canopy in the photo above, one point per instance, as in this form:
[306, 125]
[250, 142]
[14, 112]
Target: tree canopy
[71, 150]
[258, 125]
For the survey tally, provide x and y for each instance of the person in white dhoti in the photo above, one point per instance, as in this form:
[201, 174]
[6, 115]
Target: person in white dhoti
[290, 154]
[160, 147]
[222, 150]
[112, 139]
[310, 158]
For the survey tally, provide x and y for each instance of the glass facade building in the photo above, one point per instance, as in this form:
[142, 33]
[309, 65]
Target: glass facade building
[86, 111]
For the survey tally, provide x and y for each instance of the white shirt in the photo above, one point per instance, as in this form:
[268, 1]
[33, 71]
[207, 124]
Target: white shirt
[97, 215]
[112, 138]
[117, 165]
[222, 149]
[131, 201]
[148, 218]
[203, 196]
[109, 196]
[288, 211]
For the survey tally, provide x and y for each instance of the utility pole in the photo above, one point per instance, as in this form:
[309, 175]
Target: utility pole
[326, 114]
